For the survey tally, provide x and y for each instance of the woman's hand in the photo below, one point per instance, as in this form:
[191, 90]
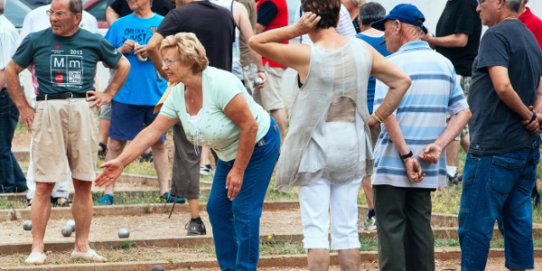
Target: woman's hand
[413, 170]
[306, 23]
[112, 170]
[234, 181]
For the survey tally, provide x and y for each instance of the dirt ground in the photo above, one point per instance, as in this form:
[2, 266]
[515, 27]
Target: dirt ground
[151, 226]
[493, 264]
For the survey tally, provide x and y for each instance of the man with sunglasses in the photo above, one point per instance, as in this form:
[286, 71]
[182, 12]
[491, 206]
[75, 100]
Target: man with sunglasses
[64, 122]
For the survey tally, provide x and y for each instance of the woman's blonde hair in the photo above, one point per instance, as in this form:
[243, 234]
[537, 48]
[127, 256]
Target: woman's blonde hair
[189, 48]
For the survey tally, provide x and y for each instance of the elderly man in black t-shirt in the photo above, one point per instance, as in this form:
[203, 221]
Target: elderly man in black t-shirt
[457, 38]
[500, 169]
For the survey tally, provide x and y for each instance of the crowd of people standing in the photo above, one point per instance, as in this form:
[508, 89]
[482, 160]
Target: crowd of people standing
[381, 104]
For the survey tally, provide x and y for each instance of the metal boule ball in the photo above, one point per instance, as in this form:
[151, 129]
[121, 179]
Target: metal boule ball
[27, 225]
[157, 268]
[66, 231]
[71, 223]
[258, 80]
[124, 233]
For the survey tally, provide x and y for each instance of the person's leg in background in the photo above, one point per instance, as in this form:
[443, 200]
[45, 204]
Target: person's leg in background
[11, 176]
[123, 124]
[462, 140]
[185, 178]
[103, 129]
[270, 99]
[205, 164]
[370, 222]
[159, 150]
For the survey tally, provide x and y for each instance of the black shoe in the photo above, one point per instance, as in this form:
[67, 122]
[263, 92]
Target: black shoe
[194, 228]
[146, 157]
[452, 180]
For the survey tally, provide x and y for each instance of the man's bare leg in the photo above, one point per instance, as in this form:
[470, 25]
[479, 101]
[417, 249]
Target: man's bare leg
[279, 115]
[39, 214]
[82, 213]
[193, 205]
[161, 165]
[115, 148]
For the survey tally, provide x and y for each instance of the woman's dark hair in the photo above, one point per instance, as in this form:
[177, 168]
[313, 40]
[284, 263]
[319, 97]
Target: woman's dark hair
[328, 10]
[371, 12]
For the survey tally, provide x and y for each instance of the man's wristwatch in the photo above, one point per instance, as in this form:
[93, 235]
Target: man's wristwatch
[406, 156]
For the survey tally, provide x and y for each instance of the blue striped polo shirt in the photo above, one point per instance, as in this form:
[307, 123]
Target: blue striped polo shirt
[421, 114]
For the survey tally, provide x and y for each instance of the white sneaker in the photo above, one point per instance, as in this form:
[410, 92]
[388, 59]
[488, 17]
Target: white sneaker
[369, 224]
[36, 258]
[90, 255]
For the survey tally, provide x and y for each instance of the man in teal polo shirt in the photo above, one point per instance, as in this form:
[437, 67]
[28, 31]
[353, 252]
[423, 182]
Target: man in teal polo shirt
[64, 122]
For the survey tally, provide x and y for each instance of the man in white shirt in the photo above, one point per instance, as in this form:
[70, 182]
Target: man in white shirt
[34, 21]
[11, 176]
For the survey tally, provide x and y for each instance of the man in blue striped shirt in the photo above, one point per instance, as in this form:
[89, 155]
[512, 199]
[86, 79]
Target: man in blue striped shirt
[417, 130]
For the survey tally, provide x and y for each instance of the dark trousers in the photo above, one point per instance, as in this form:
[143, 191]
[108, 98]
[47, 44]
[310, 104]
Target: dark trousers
[403, 221]
[11, 176]
[186, 157]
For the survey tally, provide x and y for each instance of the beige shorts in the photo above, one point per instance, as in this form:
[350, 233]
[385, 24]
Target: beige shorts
[269, 96]
[64, 133]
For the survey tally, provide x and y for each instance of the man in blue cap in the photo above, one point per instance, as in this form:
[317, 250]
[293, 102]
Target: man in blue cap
[418, 130]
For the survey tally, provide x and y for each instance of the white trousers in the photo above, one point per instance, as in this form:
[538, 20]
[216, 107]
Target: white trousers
[323, 203]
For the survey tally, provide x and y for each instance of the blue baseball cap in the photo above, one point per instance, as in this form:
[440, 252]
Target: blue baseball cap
[405, 13]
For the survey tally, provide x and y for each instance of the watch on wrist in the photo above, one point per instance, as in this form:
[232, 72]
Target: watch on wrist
[406, 156]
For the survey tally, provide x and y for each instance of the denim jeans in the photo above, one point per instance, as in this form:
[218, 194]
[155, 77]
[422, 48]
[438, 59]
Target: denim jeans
[236, 224]
[496, 186]
[11, 176]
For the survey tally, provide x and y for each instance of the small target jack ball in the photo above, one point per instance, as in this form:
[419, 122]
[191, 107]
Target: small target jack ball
[124, 233]
[27, 225]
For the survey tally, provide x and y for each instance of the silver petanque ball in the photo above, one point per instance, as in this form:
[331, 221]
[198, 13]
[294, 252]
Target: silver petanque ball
[157, 268]
[66, 231]
[27, 225]
[258, 80]
[124, 233]
[71, 223]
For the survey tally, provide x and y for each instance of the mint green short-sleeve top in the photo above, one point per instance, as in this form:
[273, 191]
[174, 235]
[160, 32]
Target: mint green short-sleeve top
[211, 126]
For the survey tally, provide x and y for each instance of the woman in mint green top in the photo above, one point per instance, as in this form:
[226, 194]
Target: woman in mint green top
[215, 110]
